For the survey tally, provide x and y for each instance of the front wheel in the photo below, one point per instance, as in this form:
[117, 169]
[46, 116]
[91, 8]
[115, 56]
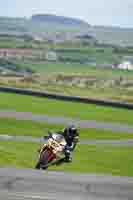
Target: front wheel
[41, 166]
[38, 165]
[45, 159]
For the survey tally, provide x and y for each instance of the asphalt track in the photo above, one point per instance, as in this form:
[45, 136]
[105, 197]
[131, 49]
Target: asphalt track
[27, 184]
[116, 127]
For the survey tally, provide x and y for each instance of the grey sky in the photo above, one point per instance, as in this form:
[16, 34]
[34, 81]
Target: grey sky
[95, 12]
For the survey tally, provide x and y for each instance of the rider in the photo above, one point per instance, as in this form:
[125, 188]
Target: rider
[71, 136]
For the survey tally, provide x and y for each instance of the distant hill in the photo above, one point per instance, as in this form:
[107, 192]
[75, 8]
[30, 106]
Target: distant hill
[42, 25]
[59, 20]
[52, 26]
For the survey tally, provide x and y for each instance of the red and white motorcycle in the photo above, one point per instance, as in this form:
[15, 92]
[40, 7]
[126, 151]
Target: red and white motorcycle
[52, 151]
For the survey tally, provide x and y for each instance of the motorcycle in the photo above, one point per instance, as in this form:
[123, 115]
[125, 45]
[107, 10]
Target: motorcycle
[52, 151]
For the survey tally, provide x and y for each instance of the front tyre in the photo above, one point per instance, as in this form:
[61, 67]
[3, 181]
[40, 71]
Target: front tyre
[38, 166]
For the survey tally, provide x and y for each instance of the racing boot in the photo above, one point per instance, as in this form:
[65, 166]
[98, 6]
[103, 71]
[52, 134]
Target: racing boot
[68, 156]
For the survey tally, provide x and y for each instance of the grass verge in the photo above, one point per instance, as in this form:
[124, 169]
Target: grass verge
[101, 159]
[38, 129]
[87, 158]
[61, 108]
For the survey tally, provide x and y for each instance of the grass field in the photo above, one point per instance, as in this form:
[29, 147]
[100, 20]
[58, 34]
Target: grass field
[75, 68]
[100, 92]
[101, 83]
[54, 67]
[100, 55]
[61, 108]
[36, 129]
[87, 158]
[18, 153]
[101, 159]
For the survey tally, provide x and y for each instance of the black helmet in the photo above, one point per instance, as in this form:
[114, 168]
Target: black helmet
[72, 130]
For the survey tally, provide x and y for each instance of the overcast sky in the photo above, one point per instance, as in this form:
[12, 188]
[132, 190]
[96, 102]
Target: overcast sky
[95, 12]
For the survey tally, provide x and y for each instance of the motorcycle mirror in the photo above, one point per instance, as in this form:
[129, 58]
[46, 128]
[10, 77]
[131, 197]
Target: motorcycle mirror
[45, 137]
[50, 134]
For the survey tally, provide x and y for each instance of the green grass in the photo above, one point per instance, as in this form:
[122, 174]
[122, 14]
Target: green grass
[100, 55]
[14, 44]
[87, 158]
[62, 108]
[18, 154]
[101, 159]
[75, 68]
[55, 67]
[107, 93]
[26, 128]
[36, 129]
[110, 84]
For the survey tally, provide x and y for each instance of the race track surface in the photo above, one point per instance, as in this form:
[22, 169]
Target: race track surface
[117, 127]
[26, 184]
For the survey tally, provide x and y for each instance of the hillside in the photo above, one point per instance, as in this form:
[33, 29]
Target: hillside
[45, 26]
[58, 20]
[41, 25]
